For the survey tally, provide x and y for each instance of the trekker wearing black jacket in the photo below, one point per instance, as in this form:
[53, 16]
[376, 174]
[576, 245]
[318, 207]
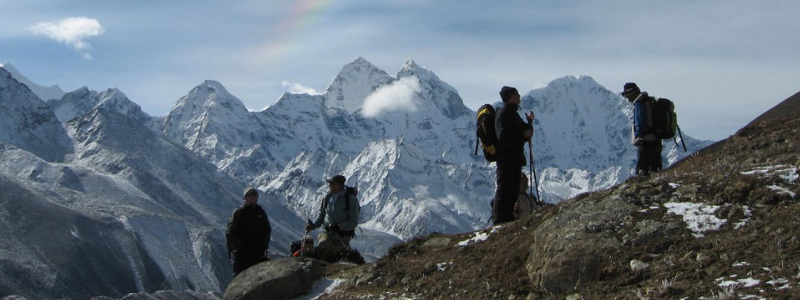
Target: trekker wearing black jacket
[248, 233]
[512, 133]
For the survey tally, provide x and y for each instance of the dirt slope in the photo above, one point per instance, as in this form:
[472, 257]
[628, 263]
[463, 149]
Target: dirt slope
[749, 181]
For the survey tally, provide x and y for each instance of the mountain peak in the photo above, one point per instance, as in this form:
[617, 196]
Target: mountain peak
[213, 84]
[207, 111]
[445, 98]
[43, 92]
[411, 68]
[353, 84]
[410, 64]
[28, 123]
[208, 95]
[572, 81]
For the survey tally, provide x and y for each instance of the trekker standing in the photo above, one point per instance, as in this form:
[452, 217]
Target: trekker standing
[248, 233]
[338, 215]
[648, 158]
[512, 133]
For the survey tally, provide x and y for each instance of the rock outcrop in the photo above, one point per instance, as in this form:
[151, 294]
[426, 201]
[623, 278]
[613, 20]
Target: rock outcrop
[284, 278]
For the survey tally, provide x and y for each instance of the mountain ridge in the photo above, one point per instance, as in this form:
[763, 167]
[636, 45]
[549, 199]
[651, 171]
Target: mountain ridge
[176, 178]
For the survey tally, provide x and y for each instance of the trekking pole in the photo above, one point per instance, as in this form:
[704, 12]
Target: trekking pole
[533, 171]
[682, 141]
[303, 243]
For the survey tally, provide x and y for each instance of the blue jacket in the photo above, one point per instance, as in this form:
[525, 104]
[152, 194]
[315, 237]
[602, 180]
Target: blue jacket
[641, 118]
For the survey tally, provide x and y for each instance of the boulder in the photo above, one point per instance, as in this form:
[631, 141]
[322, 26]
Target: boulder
[570, 249]
[276, 279]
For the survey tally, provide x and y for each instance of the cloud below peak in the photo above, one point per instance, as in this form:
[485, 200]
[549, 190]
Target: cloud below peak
[397, 96]
[72, 32]
[297, 88]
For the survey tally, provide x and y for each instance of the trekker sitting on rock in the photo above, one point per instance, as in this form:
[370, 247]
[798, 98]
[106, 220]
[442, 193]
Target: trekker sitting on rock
[338, 215]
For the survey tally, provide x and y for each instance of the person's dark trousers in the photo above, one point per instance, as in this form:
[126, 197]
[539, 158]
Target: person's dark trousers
[508, 177]
[244, 260]
[648, 158]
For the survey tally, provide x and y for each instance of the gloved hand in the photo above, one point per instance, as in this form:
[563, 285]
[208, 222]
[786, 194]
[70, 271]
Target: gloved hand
[638, 142]
[309, 227]
[335, 228]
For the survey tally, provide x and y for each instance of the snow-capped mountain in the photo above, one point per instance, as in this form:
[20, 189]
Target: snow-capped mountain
[122, 209]
[160, 194]
[26, 122]
[43, 92]
[355, 82]
[81, 101]
[582, 137]
[290, 147]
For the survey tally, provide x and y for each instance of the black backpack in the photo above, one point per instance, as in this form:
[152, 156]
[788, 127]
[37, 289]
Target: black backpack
[487, 136]
[664, 122]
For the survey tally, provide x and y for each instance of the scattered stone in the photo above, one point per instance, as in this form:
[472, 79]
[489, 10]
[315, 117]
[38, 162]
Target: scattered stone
[639, 266]
[437, 242]
[574, 297]
[702, 258]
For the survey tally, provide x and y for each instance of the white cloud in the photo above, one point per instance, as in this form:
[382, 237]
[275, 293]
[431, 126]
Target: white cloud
[71, 32]
[296, 88]
[393, 97]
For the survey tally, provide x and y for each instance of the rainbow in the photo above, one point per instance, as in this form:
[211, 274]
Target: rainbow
[302, 14]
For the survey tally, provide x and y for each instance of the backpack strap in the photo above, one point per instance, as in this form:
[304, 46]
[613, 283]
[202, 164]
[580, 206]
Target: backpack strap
[347, 194]
[649, 104]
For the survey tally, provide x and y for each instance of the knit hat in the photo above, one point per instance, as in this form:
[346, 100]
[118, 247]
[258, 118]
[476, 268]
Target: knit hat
[629, 89]
[338, 179]
[506, 92]
[249, 190]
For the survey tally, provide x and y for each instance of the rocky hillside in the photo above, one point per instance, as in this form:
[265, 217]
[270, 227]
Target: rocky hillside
[722, 224]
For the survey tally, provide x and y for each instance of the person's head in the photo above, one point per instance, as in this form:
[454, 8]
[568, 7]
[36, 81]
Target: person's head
[509, 95]
[523, 183]
[336, 183]
[630, 91]
[250, 196]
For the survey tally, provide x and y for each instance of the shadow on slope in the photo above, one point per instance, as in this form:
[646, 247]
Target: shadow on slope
[58, 252]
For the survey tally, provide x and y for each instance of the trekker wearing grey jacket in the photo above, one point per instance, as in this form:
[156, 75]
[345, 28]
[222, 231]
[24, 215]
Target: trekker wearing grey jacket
[338, 215]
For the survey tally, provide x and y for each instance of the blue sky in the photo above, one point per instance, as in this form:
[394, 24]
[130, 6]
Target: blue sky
[723, 62]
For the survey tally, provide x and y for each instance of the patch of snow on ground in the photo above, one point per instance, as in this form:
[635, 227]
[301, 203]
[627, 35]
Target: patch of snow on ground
[649, 209]
[782, 190]
[443, 266]
[779, 284]
[745, 283]
[787, 173]
[747, 215]
[479, 237]
[674, 185]
[740, 264]
[699, 217]
[321, 287]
